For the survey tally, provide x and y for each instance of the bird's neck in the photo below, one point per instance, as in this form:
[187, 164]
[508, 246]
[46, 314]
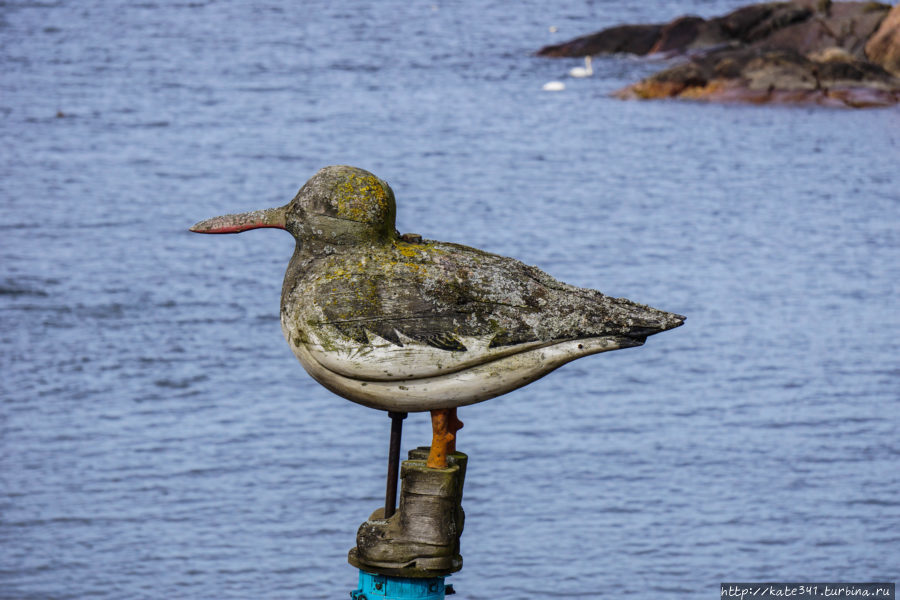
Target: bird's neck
[311, 250]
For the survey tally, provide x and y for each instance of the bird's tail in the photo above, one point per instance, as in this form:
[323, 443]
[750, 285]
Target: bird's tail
[643, 321]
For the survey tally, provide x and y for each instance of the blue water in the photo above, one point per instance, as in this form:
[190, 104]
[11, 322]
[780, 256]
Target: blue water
[159, 440]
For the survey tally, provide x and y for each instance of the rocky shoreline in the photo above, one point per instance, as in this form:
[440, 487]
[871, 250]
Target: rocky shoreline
[844, 54]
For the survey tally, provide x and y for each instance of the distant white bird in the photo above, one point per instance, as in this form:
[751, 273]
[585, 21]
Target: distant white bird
[585, 71]
[554, 86]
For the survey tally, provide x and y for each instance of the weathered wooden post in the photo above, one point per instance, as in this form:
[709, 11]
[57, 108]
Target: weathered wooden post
[402, 324]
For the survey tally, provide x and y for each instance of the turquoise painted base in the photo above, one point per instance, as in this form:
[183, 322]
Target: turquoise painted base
[384, 587]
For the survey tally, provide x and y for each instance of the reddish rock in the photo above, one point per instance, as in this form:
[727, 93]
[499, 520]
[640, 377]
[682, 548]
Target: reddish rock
[760, 76]
[883, 48]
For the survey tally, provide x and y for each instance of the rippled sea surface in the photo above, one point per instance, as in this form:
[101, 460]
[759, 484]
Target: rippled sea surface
[159, 440]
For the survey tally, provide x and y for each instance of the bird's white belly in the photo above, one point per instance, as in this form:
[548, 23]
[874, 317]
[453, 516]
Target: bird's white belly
[416, 377]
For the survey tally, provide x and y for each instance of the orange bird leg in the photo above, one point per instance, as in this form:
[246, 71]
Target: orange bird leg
[444, 425]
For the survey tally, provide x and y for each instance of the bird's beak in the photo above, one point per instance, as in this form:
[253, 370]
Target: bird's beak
[271, 217]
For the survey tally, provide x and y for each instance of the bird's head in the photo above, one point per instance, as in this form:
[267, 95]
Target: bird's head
[339, 205]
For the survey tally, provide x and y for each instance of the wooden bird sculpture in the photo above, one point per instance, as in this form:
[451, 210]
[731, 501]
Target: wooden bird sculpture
[403, 324]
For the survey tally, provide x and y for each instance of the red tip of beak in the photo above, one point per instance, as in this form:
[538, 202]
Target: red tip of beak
[258, 219]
